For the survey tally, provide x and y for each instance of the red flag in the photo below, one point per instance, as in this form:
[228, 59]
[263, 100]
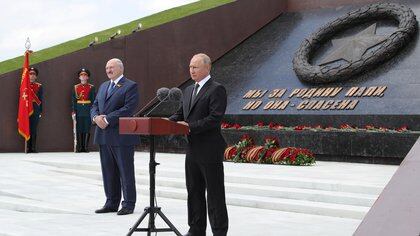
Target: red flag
[25, 101]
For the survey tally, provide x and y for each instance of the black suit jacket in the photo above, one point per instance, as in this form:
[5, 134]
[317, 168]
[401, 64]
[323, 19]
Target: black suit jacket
[205, 141]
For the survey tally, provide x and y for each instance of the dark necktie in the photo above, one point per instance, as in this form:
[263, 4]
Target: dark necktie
[111, 87]
[194, 95]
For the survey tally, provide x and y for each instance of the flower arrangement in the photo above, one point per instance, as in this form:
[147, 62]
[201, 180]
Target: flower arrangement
[253, 155]
[237, 153]
[343, 127]
[226, 125]
[293, 156]
[246, 152]
[271, 144]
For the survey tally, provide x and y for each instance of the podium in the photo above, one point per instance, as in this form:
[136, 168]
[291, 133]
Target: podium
[151, 126]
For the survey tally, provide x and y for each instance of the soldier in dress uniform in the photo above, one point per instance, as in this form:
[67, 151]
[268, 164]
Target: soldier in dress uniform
[37, 105]
[82, 99]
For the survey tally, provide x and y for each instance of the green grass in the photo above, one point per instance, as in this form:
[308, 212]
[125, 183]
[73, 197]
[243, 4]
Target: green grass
[103, 36]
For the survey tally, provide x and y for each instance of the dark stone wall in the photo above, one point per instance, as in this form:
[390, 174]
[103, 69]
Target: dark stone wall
[302, 5]
[264, 61]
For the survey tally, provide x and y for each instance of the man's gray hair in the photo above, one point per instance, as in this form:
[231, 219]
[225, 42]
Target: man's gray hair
[206, 59]
[119, 63]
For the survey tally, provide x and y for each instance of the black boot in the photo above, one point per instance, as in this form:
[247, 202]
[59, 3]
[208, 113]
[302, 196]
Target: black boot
[33, 144]
[83, 143]
[86, 142]
[79, 142]
[29, 145]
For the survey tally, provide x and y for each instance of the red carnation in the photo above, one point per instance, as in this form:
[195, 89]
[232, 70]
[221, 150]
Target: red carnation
[270, 152]
[299, 127]
[369, 127]
[272, 125]
[245, 137]
[345, 126]
[237, 126]
[402, 128]
[293, 157]
[225, 125]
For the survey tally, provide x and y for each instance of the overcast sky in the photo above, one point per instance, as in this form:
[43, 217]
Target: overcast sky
[50, 22]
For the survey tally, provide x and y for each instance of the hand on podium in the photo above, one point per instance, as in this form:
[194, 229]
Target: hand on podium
[184, 123]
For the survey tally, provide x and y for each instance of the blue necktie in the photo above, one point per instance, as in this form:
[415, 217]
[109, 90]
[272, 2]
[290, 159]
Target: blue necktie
[110, 88]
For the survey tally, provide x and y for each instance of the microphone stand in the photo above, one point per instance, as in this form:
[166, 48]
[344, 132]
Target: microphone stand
[153, 210]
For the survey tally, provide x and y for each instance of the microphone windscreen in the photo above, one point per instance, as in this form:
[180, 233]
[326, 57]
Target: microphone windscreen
[162, 94]
[175, 94]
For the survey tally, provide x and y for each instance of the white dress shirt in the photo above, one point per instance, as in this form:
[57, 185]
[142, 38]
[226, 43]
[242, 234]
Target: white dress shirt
[116, 81]
[202, 83]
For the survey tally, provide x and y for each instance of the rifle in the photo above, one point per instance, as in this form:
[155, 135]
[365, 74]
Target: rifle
[73, 116]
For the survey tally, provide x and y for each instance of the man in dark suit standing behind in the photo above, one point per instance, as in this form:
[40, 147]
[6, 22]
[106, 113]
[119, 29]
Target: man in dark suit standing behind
[203, 107]
[116, 98]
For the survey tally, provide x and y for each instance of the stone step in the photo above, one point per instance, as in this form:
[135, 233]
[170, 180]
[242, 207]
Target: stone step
[254, 190]
[244, 188]
[270, 203]
[33, 206]
[266, 180]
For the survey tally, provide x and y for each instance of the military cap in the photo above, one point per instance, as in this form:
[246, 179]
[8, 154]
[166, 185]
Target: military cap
[83, 70]
[34, 69]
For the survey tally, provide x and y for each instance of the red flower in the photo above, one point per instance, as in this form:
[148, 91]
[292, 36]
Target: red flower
[225, 125]
[268, 153]
[293, 157]
[299, 127]
[237, 126]
[260, 124]
[272, 125]
[234, 152]
[402, 128]
[369, 127]
[346, 126]
[245, 137]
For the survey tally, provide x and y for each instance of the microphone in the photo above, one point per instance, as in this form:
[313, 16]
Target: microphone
[169, 101]
[162, 94]
[175, 94]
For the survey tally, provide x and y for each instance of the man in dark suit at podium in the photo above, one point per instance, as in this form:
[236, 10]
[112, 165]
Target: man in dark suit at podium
[203, 107]
[116, 98]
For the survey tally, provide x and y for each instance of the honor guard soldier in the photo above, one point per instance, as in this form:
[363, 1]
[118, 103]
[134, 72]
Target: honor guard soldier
[37, 109]
[82, 99]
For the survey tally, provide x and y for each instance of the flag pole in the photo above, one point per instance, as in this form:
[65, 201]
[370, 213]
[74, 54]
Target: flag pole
[27, 46]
